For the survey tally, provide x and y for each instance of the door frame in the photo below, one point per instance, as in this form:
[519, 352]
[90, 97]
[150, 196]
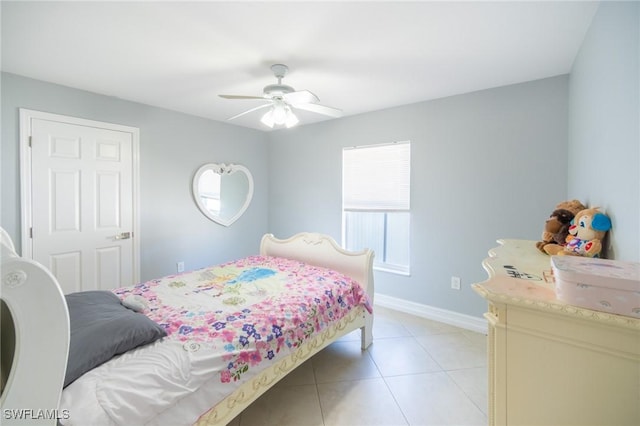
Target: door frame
[26, 116]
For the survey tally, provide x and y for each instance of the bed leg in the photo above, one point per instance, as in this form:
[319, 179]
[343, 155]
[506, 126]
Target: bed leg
[367, 331]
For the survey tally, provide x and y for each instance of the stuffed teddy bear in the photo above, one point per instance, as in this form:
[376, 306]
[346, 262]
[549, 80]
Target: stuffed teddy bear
[556, 228]
[588, 229]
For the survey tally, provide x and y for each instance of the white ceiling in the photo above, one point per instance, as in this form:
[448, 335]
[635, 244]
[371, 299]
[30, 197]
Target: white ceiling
[357, 56]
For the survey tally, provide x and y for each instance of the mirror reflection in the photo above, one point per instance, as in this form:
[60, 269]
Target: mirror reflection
[223, 191]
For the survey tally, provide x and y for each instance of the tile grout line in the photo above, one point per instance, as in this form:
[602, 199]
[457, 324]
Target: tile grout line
[315, 383]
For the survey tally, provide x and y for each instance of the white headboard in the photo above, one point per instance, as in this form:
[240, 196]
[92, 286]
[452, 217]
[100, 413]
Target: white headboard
[322, 250]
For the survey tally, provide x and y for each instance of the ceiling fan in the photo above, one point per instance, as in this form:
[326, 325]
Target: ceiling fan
[283, 100]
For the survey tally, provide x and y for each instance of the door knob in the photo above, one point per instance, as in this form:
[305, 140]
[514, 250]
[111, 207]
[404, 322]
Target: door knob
[123, 236]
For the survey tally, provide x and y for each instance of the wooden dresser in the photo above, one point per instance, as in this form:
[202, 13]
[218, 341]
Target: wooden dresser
[551, 363]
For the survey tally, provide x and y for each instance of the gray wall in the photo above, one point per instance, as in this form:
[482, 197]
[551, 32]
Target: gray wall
[485, 165]
[172, 147]
[604, 128]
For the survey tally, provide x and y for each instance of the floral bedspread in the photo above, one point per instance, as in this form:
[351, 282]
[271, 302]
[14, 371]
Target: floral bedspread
[252, 310]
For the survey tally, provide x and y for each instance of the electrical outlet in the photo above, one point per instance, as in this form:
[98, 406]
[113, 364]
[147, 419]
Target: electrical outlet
[180, 266]
[455, 283]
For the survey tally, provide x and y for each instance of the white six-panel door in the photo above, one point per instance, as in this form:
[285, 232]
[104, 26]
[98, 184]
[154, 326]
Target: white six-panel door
[79, 200]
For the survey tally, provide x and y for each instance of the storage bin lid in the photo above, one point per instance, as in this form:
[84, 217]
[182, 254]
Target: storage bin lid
[601, 272]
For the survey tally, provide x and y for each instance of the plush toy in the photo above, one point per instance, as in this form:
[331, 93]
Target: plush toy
[556, 228]
[588, 229]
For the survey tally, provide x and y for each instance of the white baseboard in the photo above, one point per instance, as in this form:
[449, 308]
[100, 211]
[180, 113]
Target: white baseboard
[467, 322]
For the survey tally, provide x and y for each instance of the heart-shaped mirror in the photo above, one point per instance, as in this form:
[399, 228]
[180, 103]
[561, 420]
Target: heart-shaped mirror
[223, 191]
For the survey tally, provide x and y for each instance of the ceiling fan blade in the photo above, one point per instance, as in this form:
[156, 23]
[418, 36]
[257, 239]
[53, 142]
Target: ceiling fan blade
[321, 109]
[250, 110]
[240, 97]
[300, 97]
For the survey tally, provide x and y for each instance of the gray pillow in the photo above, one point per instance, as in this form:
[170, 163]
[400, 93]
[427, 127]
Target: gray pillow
[101, 327]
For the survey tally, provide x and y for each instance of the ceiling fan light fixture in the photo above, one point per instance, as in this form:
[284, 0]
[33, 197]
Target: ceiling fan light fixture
[292, 120]
[280, 112]
[267, 119]
[282, 99]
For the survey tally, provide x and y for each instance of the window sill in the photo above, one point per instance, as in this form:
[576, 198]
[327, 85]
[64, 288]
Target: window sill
[396, 271]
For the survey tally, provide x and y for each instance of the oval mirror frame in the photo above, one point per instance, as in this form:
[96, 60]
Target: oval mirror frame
[222, 170]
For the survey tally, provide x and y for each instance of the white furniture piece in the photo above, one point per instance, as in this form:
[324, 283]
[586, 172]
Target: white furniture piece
[551, 363]
[39, 312]
[319, 250]
[38, 325]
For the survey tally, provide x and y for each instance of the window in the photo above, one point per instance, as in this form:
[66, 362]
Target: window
[375, 202]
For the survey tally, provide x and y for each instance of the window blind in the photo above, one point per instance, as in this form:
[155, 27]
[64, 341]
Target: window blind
[376, 177]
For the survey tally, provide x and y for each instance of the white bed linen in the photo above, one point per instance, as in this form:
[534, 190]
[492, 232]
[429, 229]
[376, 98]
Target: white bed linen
[158, 384]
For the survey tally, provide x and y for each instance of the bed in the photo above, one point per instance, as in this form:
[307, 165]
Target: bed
[267, 317]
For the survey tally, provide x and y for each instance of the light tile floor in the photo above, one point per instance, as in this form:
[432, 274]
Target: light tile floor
[417, 372]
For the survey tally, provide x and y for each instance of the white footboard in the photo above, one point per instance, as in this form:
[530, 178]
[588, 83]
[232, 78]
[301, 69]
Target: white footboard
[38, 329]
